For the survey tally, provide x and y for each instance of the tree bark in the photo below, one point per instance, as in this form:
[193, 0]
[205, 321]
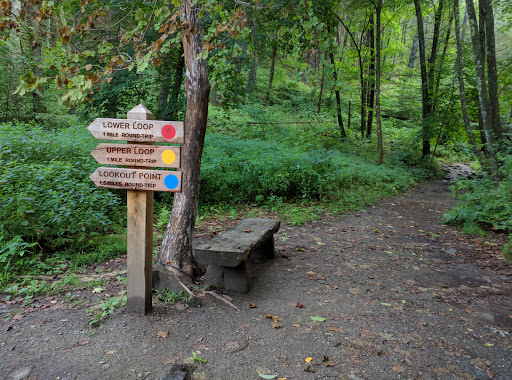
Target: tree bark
[378, 121]
[177, 243]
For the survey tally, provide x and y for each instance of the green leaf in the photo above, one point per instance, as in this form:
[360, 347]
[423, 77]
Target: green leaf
[198, 358]
[318, 319]
[386, 304]
[263, 376]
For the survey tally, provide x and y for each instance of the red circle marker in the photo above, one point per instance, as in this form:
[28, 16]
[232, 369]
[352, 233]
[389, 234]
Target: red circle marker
[168, 132]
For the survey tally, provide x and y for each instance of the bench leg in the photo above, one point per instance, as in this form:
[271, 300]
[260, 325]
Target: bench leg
[215, 276]
[235, 279]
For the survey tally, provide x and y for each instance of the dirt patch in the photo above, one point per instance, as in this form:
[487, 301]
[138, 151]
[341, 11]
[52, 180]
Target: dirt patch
[383, 293]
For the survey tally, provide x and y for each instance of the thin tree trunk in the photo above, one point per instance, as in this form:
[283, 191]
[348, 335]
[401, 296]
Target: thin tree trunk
[178, 81]
[443, 55]
[361, 77]
[213, 95]
[272, 69]
[177, 243]
[424, 80]
[414, 52]
[350, 113]
[483, 100]
[321, 89]
[378, 121]
[338, 100]
[371, 77]
[462, 90]
[492, 75]
[433, 56]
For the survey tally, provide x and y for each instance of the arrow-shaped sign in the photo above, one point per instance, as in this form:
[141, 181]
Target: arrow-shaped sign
[137, 179]
[137, 130]
[156, 156]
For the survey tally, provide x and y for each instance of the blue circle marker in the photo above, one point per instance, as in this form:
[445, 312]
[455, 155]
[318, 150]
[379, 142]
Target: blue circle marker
[171, 181]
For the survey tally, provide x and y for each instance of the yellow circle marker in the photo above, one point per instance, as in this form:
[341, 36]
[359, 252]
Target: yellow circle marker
[168, 156]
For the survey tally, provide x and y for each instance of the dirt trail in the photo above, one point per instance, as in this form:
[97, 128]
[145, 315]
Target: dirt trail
[393, 294]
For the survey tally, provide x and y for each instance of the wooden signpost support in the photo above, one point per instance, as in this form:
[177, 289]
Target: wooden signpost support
[140, 131]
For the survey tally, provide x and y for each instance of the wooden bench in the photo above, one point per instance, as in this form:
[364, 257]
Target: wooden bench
[228, 254]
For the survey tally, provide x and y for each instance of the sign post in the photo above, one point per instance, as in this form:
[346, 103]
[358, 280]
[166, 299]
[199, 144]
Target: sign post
[139, 155]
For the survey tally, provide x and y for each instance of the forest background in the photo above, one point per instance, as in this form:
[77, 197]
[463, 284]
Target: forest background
[315, 107]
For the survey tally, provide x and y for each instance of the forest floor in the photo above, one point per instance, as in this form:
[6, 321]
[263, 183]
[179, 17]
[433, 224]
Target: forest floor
[383, 293]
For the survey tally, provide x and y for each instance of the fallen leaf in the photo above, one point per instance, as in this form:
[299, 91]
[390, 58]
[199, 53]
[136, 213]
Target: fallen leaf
[327, 363]
[247, 231]
[336, 329]
[111, 352]
[385, 304]
[39, 323]
[308, 359]
[318, 319]
[163, 334]
[488, 344]
[299, 305]
[18, 317]
[309, 368]
[98, 290]
[275, 318]
[253, 306]
[276, 325]
[398, 369]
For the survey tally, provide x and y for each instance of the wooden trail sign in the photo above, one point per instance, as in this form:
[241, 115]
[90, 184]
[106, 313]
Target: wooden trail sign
[140, 182]
[137, 130]
[138, 155]
[137, 179]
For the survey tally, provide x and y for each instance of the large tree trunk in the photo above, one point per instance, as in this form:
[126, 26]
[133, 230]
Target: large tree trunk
[425, 100]
[177, 243]
[378, 121]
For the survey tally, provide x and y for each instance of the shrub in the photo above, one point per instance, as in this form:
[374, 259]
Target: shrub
[46, 198]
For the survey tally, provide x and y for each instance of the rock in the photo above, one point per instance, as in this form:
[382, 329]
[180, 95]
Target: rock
[21, 373]
[179, 372]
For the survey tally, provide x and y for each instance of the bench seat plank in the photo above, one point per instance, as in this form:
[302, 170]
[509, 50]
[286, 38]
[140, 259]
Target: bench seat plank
[234, 246]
